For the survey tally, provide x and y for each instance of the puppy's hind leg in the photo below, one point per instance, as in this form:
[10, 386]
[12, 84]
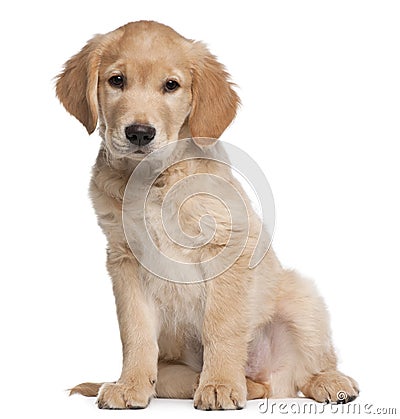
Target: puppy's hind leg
[180, 382]
[314, 367]
[176, 381]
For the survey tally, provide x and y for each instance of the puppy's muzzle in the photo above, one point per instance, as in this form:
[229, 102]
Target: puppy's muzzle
[140, 134]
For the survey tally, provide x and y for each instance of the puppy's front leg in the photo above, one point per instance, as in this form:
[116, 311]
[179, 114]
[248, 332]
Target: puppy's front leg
[222, 382]
[138, 335]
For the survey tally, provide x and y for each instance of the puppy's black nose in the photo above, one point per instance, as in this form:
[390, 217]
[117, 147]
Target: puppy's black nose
[140, 134]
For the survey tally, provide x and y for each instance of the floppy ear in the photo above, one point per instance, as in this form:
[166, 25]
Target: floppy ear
[77, 85]
[214, 102]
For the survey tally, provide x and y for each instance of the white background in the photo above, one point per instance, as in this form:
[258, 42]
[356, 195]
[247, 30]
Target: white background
[320, 85]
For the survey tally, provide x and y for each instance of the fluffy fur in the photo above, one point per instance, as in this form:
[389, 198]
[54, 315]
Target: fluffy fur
[248, 333]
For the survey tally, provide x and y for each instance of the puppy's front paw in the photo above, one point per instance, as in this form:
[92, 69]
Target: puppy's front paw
[222, 395]
[123, 396]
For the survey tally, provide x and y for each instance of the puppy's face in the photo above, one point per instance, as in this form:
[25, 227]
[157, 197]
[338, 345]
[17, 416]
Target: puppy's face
[147, 86]
[144, 92]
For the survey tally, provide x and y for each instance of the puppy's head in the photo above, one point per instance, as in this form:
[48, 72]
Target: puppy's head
[147, 86]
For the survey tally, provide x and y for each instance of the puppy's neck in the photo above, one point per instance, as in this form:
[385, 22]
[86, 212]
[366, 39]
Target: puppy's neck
[162, 170]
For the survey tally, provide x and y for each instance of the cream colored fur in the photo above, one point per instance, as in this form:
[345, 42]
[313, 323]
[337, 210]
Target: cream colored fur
[248, 333]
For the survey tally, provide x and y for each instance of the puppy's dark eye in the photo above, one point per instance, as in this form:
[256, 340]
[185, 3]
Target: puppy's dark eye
[117, 81]
[171, 85]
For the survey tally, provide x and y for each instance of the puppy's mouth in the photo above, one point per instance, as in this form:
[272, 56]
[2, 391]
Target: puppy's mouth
[139, 153]
[129, 151]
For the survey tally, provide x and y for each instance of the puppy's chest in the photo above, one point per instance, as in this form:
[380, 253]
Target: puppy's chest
[180, 313]
[179, 218]
[171, 220]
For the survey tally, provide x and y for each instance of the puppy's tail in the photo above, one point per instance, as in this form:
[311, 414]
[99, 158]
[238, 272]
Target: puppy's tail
[86, 389]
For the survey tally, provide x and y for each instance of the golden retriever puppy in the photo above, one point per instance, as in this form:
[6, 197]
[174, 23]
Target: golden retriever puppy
[246, 332]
